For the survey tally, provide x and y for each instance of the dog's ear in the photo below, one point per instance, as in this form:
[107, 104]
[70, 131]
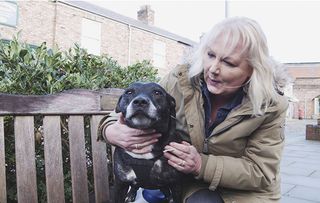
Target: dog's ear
[172, 105]
[118, 107]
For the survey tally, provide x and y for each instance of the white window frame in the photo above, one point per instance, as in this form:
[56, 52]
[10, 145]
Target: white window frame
[91, 36]
[159, 54]
[9, 13]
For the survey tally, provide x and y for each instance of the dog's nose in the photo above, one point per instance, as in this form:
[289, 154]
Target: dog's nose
[140, 102]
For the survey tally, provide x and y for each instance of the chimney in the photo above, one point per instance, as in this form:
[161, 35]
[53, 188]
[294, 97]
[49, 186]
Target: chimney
[146, 15]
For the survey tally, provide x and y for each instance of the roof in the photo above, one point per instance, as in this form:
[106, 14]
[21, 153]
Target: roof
[303, 64]
[303, 70]
[126, 20]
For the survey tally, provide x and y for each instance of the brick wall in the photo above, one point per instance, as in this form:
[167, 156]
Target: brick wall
[305, 88]
[34, 22]
[45, 21]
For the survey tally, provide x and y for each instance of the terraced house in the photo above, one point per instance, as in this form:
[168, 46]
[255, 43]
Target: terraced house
[128, 40]
[97, 29]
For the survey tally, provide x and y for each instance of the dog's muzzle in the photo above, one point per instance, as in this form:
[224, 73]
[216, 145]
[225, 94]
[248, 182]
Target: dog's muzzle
[141, 112]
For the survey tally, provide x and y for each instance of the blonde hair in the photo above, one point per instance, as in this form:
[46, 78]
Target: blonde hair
[263, 86]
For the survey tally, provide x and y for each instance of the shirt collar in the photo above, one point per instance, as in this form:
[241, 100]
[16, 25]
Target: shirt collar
[237, 99]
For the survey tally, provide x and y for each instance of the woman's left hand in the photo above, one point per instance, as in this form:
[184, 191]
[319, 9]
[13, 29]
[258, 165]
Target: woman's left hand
[184, 157]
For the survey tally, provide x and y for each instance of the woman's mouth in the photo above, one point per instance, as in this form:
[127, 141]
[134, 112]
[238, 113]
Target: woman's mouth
[214, 82]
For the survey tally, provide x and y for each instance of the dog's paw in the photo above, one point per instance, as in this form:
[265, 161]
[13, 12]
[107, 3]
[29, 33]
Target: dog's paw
[130, 198]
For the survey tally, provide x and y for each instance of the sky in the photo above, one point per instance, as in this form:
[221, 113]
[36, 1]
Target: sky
[292, 28]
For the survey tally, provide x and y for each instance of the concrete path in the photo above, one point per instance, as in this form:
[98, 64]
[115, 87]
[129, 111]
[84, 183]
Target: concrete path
[300, 166]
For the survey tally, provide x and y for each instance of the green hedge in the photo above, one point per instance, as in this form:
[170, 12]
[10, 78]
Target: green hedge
[28, 70]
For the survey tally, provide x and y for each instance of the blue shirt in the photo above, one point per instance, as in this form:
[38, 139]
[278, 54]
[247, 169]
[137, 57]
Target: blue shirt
[222, 111]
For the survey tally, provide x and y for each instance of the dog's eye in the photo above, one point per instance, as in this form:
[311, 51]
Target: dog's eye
[129, 92]
[158, 93]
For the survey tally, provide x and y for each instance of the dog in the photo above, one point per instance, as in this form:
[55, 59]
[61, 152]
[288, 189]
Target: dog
[147, 106]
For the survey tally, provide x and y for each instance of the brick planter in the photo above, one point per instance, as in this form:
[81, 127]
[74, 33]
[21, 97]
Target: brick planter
[313, 132]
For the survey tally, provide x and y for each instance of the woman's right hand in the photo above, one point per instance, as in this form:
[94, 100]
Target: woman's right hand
[131, 139]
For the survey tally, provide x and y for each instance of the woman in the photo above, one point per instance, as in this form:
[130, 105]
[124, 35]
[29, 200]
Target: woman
[229, 101]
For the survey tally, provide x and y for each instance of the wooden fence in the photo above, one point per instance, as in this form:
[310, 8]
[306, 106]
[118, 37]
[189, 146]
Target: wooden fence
[75, 105]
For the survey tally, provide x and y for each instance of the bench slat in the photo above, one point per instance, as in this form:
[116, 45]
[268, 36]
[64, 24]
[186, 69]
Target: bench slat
[53, 159]
[100, 169]
[71, 102]
[78, 160]
[3, 191]
[25, 159]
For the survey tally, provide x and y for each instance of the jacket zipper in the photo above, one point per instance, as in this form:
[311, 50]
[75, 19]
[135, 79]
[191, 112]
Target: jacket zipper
[206, 140]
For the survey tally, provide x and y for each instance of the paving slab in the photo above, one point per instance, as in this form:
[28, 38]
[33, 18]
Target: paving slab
[301, 180]
[286, 162]
[297, 171]
[306, 164]
[299, 153]
[306, 193]
[285, 199]
[316, 174]
[305, 160]
[285, 188]
[314, 148]
[294, 154]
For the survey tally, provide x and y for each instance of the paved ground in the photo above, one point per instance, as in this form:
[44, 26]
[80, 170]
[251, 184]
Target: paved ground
[300, 167]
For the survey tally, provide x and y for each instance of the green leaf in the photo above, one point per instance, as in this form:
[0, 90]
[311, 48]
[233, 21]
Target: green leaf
[23, 52]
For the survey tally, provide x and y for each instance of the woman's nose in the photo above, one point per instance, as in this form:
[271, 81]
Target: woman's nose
[215, 67]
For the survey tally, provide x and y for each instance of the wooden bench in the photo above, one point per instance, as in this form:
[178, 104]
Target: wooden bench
[74, 104]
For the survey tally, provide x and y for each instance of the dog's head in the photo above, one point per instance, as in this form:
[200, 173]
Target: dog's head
[146, 105]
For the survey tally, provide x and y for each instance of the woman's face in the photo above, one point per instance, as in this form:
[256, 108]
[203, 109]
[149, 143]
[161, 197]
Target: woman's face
[225, 72]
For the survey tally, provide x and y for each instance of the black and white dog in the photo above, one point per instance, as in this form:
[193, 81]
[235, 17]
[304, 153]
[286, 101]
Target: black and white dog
[147, 106]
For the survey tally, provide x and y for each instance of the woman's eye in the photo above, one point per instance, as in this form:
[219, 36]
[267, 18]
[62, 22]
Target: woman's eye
[229, 64]
[211, 55]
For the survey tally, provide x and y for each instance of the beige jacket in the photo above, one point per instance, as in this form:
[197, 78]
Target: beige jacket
[241, 158]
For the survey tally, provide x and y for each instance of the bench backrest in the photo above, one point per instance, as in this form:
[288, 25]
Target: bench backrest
[75, 104]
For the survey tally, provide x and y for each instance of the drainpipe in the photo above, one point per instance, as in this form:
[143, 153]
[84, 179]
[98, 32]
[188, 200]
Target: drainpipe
[54, 23]
[129, 44]
[305, 107]
[316, 107]
[226, 7]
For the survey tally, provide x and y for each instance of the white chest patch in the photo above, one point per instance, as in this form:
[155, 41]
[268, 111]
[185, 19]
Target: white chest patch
[141, 156]
[131, 176]
[157, 166]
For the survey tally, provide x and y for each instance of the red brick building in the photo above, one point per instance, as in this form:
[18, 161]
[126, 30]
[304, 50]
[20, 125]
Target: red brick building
[99, 30]
[305, 90]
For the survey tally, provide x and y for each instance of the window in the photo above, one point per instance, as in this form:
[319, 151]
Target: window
[8, 13]
[91, 36]
[159, 54]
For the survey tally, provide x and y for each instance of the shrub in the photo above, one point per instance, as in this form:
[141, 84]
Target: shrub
[27, 70]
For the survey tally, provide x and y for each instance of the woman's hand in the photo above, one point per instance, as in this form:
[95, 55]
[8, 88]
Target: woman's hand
[184, 157]
[130, 139]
